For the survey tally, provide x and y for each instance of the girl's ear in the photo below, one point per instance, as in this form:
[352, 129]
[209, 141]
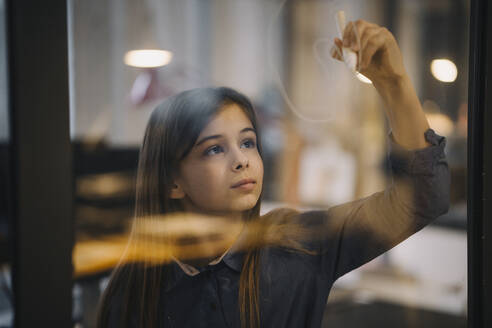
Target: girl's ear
[177, 192]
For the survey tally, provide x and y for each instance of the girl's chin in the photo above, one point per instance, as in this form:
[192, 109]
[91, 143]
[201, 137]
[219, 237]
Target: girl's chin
[245, 207]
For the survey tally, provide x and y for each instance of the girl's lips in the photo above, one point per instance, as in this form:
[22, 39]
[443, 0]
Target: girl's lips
[246, 186]
[243, 182]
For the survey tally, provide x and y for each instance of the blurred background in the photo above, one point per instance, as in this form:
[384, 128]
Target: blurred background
[324, 130]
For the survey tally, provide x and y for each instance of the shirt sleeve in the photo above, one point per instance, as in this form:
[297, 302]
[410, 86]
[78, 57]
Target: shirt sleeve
[356, 232]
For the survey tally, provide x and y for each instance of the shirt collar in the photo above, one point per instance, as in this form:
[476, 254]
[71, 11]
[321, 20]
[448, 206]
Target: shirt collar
[233, 258]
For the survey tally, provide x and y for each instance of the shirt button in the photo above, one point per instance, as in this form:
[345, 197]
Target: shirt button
[213, 306]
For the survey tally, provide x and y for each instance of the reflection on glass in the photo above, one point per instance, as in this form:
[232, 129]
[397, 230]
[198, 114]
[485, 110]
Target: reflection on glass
[313, 140]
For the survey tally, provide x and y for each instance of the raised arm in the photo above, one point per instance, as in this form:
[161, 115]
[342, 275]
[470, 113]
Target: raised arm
[363, 229]
[356, 232]
[380, 60]
[353, 233]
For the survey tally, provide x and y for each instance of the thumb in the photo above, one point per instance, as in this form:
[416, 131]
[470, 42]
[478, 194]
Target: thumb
[336, 52]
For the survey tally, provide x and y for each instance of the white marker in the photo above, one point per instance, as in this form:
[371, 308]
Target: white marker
[349, 56]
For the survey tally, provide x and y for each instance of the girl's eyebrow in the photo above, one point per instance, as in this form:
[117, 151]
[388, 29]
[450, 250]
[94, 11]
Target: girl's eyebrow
[215, 136]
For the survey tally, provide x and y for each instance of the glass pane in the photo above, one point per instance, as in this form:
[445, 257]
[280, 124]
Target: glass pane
[324, 142]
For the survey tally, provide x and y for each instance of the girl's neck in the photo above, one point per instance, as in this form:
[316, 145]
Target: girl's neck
[233, 217]
[236, 220]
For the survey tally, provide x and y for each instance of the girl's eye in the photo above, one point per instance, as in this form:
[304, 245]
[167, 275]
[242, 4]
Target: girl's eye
[213, 150]
[250, 142]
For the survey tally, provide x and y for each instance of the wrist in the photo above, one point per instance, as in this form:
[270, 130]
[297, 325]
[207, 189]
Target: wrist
[396, 88]
[392, 83]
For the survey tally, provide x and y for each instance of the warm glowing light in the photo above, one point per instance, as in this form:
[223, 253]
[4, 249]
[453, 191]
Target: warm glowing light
[444, 70]
[363, 78]
[148, 58]
[440, 123]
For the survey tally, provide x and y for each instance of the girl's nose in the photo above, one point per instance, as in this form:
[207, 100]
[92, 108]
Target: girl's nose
[240, 160]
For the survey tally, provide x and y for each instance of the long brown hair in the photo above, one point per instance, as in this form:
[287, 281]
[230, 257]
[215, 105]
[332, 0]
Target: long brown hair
[171, 132]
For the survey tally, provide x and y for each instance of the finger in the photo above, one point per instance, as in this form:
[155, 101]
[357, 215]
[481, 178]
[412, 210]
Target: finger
[368, 34]
[360, 23]
[338, 48]
[346, 34]
[338, 42]
[375, 43]
[359, 29]
[336, 53]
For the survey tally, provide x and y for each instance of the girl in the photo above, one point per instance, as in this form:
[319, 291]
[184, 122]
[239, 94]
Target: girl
[201, 154]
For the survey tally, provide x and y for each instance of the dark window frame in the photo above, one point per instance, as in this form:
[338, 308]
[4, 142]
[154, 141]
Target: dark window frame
[480, 166]
[41, 162]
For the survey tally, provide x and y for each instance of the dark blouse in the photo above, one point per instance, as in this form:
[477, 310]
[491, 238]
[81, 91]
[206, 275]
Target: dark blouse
[294, 287]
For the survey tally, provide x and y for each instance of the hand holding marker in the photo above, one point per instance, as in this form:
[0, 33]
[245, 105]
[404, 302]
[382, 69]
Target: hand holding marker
[347, 55]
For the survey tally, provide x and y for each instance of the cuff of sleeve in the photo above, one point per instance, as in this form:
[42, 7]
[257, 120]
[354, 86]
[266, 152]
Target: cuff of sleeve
[417, 161]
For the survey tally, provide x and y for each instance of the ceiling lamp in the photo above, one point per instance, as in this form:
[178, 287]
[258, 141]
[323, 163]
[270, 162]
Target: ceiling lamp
[444, 70]
[147, 58]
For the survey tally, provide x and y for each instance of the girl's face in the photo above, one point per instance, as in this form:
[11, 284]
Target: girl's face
[224, 154]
